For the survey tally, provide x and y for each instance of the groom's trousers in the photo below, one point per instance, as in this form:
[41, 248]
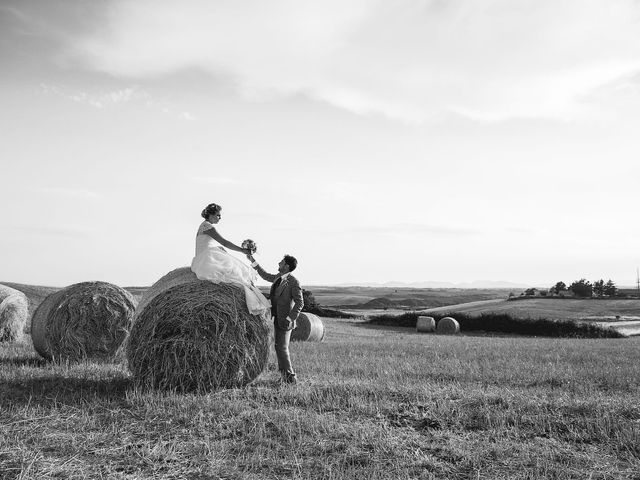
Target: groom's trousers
[282, 349]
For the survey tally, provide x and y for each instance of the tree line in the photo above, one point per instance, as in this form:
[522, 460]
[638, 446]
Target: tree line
[584, 288]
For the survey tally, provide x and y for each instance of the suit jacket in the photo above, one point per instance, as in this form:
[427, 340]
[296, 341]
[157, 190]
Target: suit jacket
[287, 299]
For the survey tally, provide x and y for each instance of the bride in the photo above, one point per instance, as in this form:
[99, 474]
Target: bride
[212, 262]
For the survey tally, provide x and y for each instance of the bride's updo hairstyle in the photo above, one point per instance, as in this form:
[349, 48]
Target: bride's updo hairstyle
[210, 209]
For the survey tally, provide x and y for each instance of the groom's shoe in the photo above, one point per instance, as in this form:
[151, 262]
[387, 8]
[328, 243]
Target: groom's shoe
[288, 377]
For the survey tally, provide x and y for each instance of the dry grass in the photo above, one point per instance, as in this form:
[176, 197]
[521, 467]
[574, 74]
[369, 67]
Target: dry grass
[374, 402]
[550, 308]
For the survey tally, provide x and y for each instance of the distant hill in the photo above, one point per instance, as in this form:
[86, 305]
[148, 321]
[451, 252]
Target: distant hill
[369, 298]
[482, 284]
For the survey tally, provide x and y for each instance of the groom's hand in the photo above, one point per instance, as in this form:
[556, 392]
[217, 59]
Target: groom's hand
[250, 257]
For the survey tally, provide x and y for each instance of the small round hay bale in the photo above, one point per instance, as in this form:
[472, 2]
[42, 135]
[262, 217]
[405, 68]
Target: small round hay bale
[84, 320]
[448, 326]
[14, 313]
[309, 328]
[425, 324]
[196, 336]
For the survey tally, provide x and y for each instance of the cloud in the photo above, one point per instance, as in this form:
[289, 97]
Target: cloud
[107, 98]
[414, 60]
[68, 192]
[101, 98]
[215, 180]
[66, 231]
[414, 229]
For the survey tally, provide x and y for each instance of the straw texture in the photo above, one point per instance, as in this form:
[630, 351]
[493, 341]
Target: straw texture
[14, 313]
[192, 335]
[309, 328]
[425, 324]
[84, 320]
[179, 276]
[448, 326]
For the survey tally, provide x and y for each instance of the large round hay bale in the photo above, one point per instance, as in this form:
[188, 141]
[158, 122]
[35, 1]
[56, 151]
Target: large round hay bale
[84, 320]
[196, 335]
[309, 328]
[14, 313]
[448, 326]
[179, 276]
[425, 324]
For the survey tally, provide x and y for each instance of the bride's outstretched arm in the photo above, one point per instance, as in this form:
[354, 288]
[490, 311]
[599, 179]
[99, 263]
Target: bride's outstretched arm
[213, 233]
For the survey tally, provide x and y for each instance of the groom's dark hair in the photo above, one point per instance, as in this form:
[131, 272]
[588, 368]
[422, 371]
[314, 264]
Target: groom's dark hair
[291, 261]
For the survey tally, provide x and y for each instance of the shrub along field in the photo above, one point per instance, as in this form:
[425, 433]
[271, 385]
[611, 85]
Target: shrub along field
[505, 323]
[373, 402]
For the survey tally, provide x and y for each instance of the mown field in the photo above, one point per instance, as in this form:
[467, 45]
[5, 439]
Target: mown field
[551, 308]
[373, 402]
[406, 297]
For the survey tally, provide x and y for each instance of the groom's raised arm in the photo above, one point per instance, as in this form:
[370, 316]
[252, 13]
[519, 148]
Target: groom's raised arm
[269, 277]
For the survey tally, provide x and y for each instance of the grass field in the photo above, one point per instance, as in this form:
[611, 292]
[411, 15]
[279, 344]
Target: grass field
[551, 308]
[404, 296]
[373, 402]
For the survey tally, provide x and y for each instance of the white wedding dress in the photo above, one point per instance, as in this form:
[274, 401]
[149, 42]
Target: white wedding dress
[213, 263]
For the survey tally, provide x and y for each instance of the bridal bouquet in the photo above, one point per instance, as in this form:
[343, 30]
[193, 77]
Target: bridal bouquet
[250, 244]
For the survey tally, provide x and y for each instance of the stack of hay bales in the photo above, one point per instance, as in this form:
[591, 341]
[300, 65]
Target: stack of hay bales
[425, 324]
[309, 328]
[87, 320]
[448, 326]
[14, 313]
[195, 335]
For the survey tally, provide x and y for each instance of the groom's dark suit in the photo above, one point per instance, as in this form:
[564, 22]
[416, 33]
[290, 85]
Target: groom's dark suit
[286, 305]
[286, 298]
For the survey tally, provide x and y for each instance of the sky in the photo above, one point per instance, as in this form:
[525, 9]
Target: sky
[376, 141]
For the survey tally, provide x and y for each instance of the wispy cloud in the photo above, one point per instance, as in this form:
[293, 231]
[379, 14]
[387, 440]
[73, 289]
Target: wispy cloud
[487, 60]
[414, 229]
[214, 180]
[103, 99]
[68, 192]
[68, 231]
[99, 99]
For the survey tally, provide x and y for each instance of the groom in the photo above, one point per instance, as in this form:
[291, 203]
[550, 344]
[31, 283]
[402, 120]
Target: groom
[286, 305]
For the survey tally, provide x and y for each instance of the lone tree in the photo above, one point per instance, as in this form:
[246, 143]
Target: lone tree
[598, 288]
[581, 288]
[309, 300]
[610, 289]
[558, 287]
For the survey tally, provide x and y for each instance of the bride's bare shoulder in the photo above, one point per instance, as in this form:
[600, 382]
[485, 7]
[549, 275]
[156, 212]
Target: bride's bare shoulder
[205, 227]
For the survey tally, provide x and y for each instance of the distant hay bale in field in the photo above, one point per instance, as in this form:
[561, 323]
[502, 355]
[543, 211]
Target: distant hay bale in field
[196, 335]
[14, 314]
[84, 320]
[448, 325]
[425, 324]
[309, 328]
